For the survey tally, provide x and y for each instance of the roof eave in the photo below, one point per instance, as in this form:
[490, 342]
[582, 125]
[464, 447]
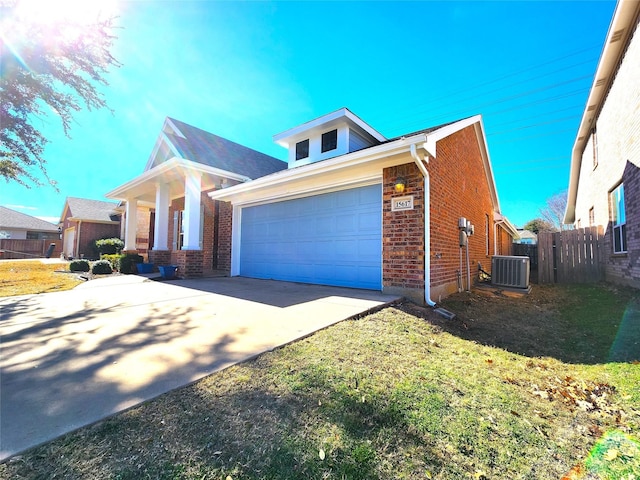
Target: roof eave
[616, 41]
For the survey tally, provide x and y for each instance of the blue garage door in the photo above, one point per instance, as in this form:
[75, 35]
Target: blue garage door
[328, 239]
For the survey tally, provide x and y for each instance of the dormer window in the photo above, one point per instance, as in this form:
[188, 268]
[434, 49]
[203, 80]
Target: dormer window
[302, 149]
[329, 141]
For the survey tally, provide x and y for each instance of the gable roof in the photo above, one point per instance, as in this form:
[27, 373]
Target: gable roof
[356, 166]
[21, 221]
[199, 146]
[623, 23]
[91, 210]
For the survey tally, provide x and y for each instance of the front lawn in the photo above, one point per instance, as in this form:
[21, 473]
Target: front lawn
[27, 277]
[402, 394]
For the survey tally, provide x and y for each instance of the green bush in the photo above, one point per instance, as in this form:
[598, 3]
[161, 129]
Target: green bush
[128, 262]
[102, 267]
[79, 266]
[109, 246]
[113, 259]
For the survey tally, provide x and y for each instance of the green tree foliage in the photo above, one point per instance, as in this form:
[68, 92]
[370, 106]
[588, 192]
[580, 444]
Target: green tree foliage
[538, 225]
[46, 67]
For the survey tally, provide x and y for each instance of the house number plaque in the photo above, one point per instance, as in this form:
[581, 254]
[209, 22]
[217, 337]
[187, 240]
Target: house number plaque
[402, 203]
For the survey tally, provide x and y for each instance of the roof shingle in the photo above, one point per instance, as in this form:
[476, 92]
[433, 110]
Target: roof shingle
[92, 210]
[209, 149]
[21, 221]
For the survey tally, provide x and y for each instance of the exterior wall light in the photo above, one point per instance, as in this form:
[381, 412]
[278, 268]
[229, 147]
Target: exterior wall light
[400, 184]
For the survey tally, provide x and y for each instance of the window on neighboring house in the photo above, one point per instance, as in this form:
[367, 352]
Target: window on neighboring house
[594, 141]
[329, 141]
[618, 220]
[592, 217]
[302, 149]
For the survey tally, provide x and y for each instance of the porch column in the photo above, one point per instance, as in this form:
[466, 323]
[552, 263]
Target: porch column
[131, 215]
[161, 225]
[191, 219]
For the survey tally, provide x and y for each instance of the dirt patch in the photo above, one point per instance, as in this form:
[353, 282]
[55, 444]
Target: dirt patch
[550, 320]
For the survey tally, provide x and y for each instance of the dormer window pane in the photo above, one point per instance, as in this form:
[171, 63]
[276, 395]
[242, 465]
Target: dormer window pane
[302, 149]
[329, 141]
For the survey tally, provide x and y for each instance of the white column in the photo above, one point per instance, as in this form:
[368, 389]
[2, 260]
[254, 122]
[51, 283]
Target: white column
[161, 225]
[131, 228]
[191, 219]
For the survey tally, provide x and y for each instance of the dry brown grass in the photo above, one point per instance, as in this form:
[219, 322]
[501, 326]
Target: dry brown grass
[399, 393]
[28, 277]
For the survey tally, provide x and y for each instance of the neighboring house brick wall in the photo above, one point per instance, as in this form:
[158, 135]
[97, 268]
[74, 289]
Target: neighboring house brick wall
[89, 233]
[458, 188]
[618, 153]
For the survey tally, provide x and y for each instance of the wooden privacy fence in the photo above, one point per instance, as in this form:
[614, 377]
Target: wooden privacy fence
[15, 248]
[571, 256]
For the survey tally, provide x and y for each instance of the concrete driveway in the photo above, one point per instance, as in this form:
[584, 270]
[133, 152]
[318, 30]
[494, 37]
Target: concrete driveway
[68, 359]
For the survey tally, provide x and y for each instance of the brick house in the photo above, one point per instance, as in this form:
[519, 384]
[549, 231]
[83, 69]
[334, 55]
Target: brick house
[604, 184]
[83, 222]
[349, 208]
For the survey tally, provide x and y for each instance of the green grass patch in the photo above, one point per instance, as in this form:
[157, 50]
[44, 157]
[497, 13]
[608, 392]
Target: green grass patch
[397, 394]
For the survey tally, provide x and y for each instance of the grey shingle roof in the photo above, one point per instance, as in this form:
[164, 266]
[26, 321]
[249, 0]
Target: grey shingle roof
[92, 210]
[21, 221]
[209, 149]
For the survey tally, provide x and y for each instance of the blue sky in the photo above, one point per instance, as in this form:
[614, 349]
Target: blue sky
[249, 70]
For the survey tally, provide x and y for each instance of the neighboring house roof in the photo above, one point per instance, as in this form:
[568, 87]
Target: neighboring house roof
[527, 235]
[192, 143]
[21, 221]
[91, 210]
[622, 26]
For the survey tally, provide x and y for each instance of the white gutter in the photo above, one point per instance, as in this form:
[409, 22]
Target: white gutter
[427, 224]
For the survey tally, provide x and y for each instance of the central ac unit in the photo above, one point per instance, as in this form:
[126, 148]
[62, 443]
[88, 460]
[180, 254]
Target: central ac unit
[510, 271]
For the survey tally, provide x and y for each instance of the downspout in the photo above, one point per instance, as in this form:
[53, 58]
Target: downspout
[427, 225]
[495, 235]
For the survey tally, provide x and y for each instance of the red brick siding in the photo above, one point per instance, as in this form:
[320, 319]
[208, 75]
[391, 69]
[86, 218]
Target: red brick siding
[403, 232]
[459, 188]
[223, 255]
[224, 236]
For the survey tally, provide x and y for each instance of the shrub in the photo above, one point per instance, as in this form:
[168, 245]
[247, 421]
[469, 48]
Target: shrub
[101, 267]
[109, 246]
[128, 261]
[113, 259]
[79, 266]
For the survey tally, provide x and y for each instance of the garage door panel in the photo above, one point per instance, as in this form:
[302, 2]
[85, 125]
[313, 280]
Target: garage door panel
[332, 239]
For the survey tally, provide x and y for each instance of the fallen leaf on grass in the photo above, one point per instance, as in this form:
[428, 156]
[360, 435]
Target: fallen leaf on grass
[321, 454]
[611, 454]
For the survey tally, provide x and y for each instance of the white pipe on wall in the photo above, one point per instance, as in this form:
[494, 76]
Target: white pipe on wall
[427, 226]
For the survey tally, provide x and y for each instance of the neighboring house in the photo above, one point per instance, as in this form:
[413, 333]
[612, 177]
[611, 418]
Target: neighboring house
[20, 226]
[526, 237]
[604, 184]
[349, 208]
[24, 236]
[83, 222]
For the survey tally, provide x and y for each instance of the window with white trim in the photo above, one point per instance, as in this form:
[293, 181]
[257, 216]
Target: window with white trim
[618, 220]
[329, 141]
[302, 149]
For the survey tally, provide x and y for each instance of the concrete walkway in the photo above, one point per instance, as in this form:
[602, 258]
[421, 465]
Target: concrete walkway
[68, 359]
